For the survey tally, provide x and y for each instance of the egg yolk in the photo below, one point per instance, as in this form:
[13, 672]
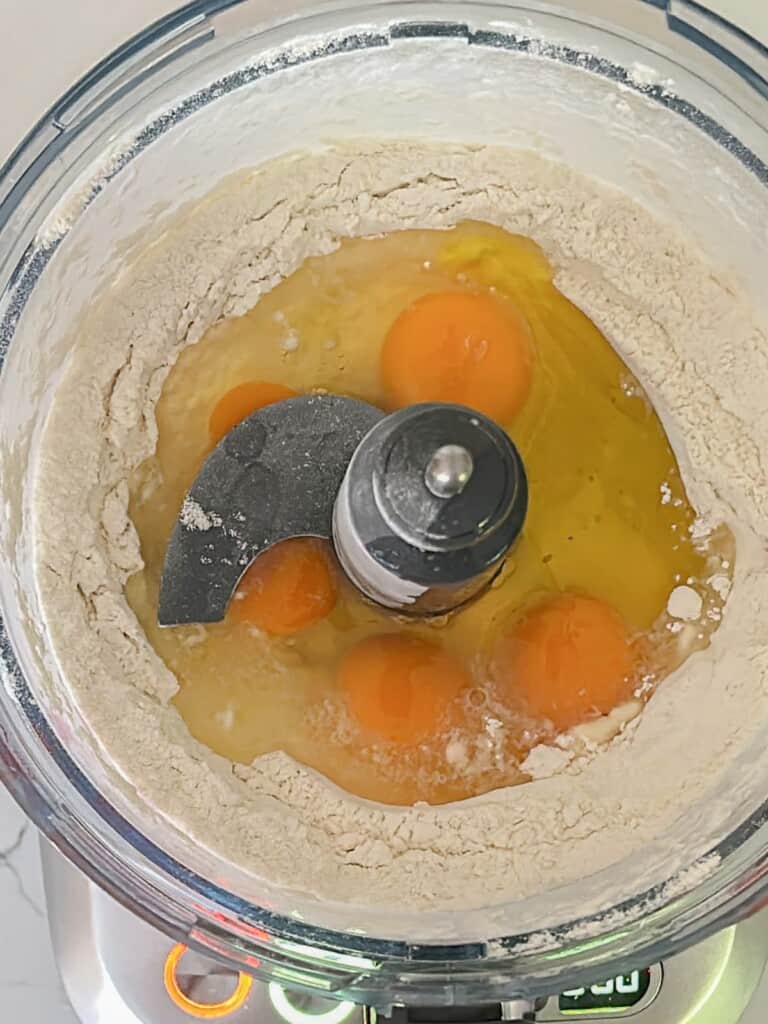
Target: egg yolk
[460, 347]
[288, 588]
[569, 659]
[398, 688]
[243, 400]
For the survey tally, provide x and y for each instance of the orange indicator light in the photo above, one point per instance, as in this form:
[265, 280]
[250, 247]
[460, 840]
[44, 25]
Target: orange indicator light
[203, 1011]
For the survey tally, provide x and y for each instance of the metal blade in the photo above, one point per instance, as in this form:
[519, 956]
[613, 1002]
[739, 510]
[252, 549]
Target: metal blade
[274, 476]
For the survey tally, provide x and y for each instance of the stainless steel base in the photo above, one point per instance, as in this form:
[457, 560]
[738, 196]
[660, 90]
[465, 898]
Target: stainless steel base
[113, 966]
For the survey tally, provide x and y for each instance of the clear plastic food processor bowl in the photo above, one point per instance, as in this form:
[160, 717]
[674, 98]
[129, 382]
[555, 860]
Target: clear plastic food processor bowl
[660, 98]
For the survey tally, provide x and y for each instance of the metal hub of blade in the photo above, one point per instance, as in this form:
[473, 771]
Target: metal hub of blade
[422, 506]
[433, 499]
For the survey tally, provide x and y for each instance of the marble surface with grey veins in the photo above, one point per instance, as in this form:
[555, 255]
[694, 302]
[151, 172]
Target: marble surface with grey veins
[30, 989]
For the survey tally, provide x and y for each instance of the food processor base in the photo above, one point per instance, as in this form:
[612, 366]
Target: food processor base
[117, 969]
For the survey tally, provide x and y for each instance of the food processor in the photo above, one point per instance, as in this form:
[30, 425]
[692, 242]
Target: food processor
[662, 99]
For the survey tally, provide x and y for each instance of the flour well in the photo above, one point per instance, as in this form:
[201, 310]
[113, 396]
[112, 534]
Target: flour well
[700, 352]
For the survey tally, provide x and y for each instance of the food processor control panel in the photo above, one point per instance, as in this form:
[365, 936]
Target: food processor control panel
[119, 970]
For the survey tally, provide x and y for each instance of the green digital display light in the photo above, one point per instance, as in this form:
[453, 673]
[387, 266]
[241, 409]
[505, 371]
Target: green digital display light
[610, 996]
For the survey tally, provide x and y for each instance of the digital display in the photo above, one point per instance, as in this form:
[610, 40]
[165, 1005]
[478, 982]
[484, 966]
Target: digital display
[619, 993]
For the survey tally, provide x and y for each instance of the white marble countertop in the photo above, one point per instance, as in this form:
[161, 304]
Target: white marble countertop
[30, 989]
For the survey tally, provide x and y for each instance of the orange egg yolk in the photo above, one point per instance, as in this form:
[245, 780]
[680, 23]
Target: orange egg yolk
[569, 659]
[288, 588]
[243, 400]
[398, 688]
[460, 347]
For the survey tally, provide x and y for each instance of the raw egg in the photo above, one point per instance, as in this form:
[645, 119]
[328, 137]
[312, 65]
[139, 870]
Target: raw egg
[462, 347]
[569, 659]
[398, 688]
[386, 708]
[288, 588]
[243, 400]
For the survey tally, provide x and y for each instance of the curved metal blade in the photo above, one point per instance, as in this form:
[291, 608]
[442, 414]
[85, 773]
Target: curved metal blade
[275, 475]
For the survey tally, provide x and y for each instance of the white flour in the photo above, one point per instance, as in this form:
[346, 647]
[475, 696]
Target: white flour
[704, 359]
[194, 517]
